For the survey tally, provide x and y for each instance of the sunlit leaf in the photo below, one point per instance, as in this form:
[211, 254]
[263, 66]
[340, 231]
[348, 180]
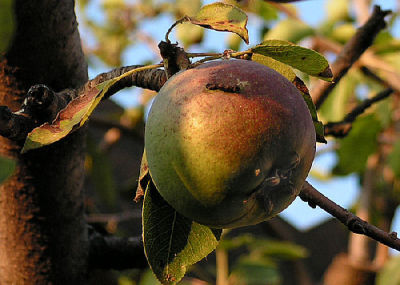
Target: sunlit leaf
[7, 167]
[335, 107]
[343, 33]
[337, 10]
[74, 115]
[234, 41]
[355, 148]
[172, 242]
[291, 30]
[303, 59]
[188, 34]
[282, 68]
[222, 17]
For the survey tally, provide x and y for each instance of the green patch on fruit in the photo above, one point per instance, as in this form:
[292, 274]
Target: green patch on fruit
[222, 17]
[303, 59]
[171, 241]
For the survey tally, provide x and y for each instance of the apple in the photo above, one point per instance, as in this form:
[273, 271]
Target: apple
[229, 143]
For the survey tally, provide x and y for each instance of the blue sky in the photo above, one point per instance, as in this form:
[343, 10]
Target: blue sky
[341, 190]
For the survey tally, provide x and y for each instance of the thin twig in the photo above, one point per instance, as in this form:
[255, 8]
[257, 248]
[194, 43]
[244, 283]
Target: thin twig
[355, 224]
[117, 217]
[352, 50]
[342, 128]
[180, 21]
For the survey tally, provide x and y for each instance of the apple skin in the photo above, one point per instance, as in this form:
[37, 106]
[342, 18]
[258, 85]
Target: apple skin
[229, 143]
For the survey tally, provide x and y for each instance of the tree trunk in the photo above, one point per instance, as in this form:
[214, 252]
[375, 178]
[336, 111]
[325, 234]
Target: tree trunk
[43, 237]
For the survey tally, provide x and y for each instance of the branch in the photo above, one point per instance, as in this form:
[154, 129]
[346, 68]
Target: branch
[355, 224]
[111, 252]
[14, 126]
[152, 79]
[350, 53]
[342, 128]
[42, 104]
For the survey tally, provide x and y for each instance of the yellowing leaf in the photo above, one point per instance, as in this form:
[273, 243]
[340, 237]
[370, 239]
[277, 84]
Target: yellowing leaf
[74, 115]
[222, 17]
[303, 59]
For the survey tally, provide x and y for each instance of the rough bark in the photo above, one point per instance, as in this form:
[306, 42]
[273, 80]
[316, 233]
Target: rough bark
[43, 237]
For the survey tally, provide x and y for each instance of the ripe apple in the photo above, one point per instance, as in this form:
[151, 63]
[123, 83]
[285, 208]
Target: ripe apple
[229, 143]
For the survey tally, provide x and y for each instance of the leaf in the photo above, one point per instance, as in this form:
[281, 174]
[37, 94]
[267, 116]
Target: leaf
[7, 167]
[291, 30]
[282, 68]
[355, 148]
[222, 17]
[338, 10]
[248, 272]
[74, 115]
[335, 107]
[390, 273]
[171, 241]
[303, 59]
[393, 159]
[189, 34]
[319, 127]
[144, 178]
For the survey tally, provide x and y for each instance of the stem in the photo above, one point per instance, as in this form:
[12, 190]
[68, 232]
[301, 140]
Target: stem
[222, 266]
[180, 21]
[355, 224]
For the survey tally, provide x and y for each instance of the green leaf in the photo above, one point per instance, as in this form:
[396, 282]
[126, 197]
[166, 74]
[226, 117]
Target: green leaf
[319, 127]
[335, 107]
[390, 274]
[291, 30]
[355, 148]
[172, 242]
[282, 68]
[393, 159]
[7, 167]
[74, 115]
[222, 17]
[7, 25]
[144, 178]
[303, 59]
[248, 272]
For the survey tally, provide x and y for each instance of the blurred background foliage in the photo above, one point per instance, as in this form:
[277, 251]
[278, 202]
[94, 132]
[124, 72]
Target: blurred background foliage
[122, 32]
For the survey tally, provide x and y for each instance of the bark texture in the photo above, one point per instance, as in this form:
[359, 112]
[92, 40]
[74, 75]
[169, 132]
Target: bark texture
[43, 237]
